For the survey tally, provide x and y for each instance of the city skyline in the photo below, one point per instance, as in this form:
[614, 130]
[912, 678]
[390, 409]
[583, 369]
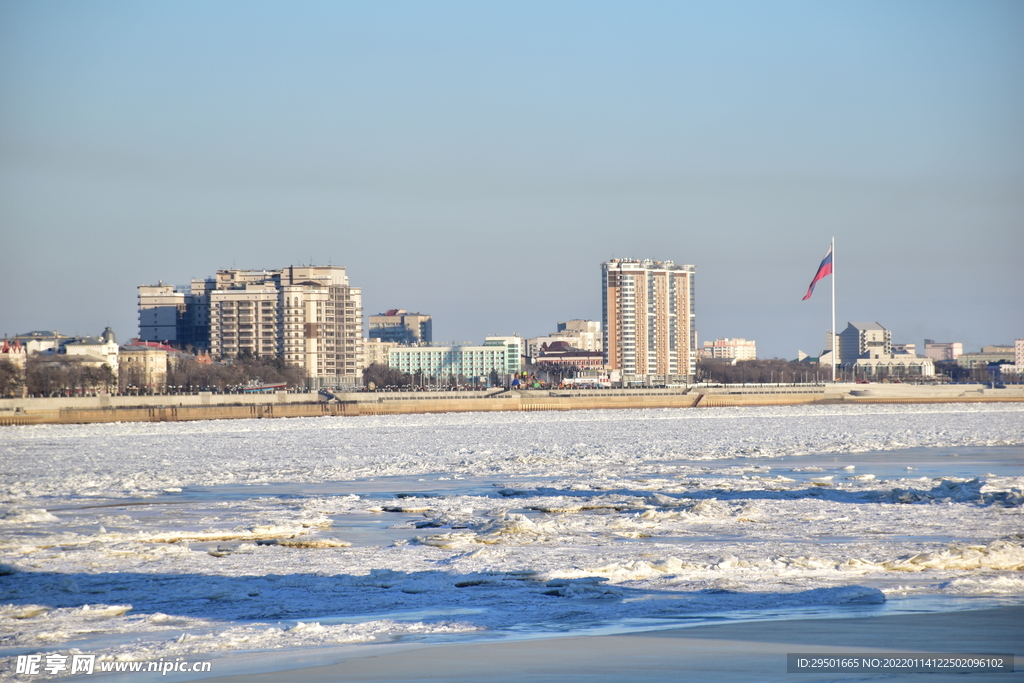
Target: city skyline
[480, 163]
[140, 329]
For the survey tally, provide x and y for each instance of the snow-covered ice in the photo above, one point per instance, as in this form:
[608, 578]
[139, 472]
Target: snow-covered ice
[150, 540]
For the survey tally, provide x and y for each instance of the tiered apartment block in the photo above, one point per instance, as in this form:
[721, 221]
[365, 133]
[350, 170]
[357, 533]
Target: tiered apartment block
[648, 319]
[310, 316]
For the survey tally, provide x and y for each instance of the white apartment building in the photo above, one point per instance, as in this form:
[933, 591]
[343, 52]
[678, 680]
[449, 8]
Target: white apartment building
[444, 361]
[731, 349]
[648, 318]
[244, 321]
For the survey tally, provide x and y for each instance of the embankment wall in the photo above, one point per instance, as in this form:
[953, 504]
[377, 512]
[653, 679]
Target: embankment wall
[83, 410]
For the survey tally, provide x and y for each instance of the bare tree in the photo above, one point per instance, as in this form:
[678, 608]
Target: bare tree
[12, 379]
[381, 375]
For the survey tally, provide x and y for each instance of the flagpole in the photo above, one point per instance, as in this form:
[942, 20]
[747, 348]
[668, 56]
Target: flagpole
[835, 335]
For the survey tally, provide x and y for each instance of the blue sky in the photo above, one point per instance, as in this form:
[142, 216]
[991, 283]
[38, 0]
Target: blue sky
[478, 161]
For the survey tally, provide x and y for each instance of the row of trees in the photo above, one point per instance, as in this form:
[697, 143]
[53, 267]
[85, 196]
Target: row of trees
[44, 376]
[49, 378]
[380, 376]
[776, 370]
[768, 371]
[53, 376]
[981, 374]
[187, 375]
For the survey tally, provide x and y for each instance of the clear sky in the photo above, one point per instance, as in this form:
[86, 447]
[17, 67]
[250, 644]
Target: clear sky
[477, 161]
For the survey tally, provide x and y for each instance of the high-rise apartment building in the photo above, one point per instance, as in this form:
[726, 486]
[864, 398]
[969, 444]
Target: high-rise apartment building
[309, 316]
[648, 318]
[177, 315]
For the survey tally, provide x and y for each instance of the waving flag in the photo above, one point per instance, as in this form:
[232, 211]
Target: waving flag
[824, 270]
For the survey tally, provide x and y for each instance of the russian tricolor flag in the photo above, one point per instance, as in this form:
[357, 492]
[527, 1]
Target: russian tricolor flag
[824, 270]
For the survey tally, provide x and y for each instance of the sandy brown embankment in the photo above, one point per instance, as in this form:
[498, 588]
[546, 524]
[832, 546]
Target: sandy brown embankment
[206, 406]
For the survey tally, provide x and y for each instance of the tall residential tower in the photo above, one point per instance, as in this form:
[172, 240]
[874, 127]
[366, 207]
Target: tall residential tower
[648, 315]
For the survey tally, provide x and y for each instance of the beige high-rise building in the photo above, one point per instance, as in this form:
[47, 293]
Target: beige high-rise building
[648, 319]
[310, 316]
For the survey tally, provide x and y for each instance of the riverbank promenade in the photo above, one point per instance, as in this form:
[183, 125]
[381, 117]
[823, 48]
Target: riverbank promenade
[210, 406]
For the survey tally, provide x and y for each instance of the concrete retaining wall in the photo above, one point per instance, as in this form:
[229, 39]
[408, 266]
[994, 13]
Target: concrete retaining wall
[370, 404]
[235, 406]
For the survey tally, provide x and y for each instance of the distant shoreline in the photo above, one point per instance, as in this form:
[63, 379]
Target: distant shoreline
[207, 406]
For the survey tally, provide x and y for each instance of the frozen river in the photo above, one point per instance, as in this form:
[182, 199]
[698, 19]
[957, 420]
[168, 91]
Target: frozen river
[168, 540]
